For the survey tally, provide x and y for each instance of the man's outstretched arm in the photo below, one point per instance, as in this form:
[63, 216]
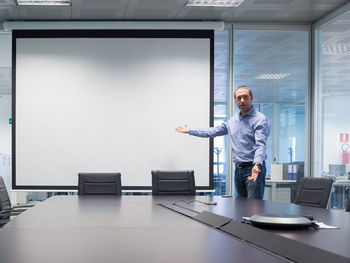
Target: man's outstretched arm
[209, 132]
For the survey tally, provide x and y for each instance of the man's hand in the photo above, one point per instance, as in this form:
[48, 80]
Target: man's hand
[255, 172]
[183, 129]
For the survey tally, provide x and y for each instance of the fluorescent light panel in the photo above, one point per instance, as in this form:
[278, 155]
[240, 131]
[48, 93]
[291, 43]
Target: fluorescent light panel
[273, 76]
[44, 2]
[218, 3]
[335, 49]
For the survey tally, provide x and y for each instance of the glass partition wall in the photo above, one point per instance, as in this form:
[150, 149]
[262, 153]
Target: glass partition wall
[331, 150]
[274, 63]
[221, 84]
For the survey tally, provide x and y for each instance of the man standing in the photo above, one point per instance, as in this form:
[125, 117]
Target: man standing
[248, 132]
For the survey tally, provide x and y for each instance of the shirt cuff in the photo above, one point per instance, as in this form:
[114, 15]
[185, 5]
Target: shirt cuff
[258, 160]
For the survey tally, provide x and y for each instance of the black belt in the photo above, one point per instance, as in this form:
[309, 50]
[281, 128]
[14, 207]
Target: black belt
[241, 165]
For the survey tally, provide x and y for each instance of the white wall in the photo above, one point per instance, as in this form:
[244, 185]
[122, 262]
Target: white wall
[5, 49]
[5, 127]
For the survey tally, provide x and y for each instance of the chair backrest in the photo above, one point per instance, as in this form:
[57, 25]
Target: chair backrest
[5, 203]
[314, 192]
[348, 207]
[173, 183]
[299, 179]
[99, 184]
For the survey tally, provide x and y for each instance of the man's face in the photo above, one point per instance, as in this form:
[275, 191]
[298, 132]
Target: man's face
[243, 99]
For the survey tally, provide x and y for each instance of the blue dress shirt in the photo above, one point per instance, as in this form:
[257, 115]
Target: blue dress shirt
[248, 135]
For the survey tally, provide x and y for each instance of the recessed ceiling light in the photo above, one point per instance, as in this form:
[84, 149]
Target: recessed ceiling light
[336, 49]
[44, 2]
[218, 3]
[273, 76]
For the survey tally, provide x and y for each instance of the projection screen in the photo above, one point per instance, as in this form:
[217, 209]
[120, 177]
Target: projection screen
[109, 101]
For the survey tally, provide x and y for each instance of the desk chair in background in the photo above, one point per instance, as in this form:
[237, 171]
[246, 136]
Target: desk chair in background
[314, 192]
[173, 183]
[6, 210]
[99, 184]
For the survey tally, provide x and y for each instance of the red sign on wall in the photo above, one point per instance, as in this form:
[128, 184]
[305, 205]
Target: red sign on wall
[344, 137]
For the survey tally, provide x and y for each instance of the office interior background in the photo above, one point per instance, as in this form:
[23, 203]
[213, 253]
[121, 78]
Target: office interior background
[293, 54]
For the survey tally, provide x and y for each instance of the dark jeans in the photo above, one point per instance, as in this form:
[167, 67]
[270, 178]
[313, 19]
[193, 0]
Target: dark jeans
[249, 188]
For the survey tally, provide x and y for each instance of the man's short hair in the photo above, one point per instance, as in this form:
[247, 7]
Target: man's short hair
[243, 87]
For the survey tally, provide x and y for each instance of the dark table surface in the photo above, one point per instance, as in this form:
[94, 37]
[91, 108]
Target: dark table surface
[137, 229]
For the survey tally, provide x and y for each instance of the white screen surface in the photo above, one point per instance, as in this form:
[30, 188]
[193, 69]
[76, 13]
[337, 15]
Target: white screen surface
[110, 105]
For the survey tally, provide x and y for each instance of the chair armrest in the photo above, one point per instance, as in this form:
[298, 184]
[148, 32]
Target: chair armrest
[22, 206]
[17, 210]
[10, 213]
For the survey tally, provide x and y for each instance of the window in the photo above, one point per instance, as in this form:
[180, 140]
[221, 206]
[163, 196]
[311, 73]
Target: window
[274, 64]
[331, 118]
[221, 61]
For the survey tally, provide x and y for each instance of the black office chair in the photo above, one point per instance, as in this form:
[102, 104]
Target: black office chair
[348, 207]
[173, 183]
[6, 211]
[99, 184]
[299, 178]
[314, 192]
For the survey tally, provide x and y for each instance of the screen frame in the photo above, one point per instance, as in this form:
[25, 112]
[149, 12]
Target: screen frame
[195, 34]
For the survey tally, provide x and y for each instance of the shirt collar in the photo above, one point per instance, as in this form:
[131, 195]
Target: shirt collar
[250, 112]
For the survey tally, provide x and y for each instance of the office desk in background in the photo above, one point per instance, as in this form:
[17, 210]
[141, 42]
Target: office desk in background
[280, 190]
[137, 229]
[340, 194]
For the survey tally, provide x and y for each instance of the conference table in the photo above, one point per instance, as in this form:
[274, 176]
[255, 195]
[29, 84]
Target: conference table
[138, 229]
